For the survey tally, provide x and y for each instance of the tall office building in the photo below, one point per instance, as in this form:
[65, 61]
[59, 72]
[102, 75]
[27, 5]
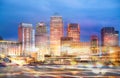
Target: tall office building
[94, 44]
[25, 37]
[41, 39]
[74, 32]
[56, 32]
[109, 36]
[41, 34]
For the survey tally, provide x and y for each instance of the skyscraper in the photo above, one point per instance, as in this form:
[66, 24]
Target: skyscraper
[109, 36]
[56, 32]
[25, 35]
[41, 39]
[41, 34]
[94, 44]
[74, 32]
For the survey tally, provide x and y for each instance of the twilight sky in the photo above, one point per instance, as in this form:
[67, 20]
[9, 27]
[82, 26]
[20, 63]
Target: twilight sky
[92, 15]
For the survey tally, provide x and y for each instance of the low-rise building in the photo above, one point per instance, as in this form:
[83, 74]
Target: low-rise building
[10, 48]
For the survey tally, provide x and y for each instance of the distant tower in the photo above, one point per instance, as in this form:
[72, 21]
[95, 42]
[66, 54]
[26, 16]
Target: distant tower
[109, 36]
[56, 32]
[74, 32]
[41, 38]
[25, 35]
[94, 44]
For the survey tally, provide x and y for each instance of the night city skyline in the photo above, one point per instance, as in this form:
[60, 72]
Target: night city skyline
[91, 15]
[59, 38]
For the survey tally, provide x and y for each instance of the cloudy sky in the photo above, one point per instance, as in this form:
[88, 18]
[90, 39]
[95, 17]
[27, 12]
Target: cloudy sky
[92, 15]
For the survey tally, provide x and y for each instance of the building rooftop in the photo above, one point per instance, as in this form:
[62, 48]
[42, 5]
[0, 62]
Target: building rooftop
[25, 25]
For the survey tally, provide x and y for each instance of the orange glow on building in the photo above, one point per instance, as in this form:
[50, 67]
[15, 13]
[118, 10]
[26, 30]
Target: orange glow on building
[25, 35]
[94, 43]
[10, 48]
[109, 36]
[41, 40]
[74, 31]
[78, 49]
[66, 45]
[114, 54]
[56, 32]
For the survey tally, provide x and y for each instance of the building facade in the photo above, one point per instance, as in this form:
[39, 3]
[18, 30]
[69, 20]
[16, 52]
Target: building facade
[56, 32]
[10, 48]
[95, 49]
[81, 50]
[41, 39]
[25, 37]
[114, 54]
[109, 36]
[74, 32]
[78, 49]
[66, 45]
[94, 44]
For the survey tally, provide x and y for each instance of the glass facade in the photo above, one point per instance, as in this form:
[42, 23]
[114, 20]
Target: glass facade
[74, 32]
[56, 32]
